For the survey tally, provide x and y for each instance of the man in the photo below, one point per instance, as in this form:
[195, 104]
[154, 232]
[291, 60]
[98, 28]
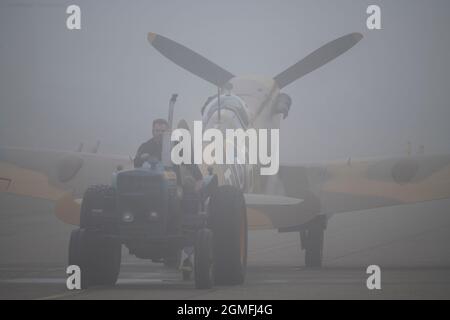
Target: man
[152, 147]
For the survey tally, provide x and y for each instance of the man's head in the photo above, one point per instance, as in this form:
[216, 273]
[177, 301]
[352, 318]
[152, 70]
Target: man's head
[160, 126]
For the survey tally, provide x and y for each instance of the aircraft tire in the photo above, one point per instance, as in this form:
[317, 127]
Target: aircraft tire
[228, 222]
[314, 246]
[186, 275]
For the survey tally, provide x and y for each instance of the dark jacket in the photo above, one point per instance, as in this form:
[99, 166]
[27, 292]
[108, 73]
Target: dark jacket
[152, 147]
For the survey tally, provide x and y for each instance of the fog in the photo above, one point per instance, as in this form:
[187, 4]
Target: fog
[105, 82]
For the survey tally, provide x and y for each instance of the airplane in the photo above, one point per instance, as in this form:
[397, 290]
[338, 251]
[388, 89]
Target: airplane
[300, 198]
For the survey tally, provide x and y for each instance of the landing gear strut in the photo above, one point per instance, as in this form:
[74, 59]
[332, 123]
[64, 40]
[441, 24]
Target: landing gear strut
[312, 239]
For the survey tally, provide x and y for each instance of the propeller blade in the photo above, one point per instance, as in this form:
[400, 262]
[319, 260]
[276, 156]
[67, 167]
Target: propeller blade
[318, 58]
[190, 60]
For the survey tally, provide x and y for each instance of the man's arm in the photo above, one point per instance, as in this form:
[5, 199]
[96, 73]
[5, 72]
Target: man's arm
[138, 162]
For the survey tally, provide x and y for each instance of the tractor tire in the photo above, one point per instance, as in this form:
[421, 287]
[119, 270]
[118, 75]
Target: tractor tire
[76, 256]
[98, 257]
[203, 256]
[228, 223]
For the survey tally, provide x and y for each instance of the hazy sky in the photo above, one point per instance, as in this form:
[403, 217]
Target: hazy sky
[61, 87]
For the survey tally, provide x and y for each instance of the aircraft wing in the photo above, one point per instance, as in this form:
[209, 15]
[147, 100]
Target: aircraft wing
[273, 211]
[346, 186]
[293, 197]
[354, 185]
[57, 176]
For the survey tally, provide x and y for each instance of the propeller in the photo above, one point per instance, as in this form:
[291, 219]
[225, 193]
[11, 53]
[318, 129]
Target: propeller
[190, 60]
[318, 58]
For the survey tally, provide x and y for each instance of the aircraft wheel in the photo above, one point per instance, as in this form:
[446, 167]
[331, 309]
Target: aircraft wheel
[203, 265]
[187, 275]
[98, 257]
[228, 222]
[314, 245]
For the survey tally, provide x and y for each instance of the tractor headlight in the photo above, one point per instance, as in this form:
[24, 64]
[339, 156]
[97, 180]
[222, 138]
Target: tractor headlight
[152, 216]
[128, 217]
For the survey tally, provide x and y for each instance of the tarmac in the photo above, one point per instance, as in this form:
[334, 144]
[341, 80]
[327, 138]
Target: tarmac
[411, 244]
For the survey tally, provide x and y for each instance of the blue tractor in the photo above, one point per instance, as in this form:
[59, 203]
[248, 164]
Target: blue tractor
[157, 213]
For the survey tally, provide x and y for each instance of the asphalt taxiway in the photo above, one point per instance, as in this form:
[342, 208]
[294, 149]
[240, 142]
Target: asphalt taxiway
[411, 244]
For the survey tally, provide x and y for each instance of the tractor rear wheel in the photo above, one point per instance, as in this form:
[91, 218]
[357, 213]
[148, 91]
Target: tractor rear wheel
[203, 260]
[228, 222]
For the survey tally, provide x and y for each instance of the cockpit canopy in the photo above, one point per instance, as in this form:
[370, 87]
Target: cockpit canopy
[233, 112]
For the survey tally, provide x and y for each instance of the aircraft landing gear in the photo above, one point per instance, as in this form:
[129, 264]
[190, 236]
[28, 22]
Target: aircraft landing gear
[312, 240]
